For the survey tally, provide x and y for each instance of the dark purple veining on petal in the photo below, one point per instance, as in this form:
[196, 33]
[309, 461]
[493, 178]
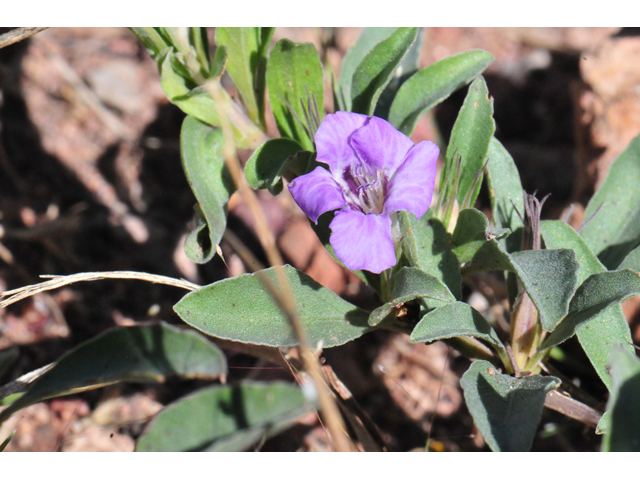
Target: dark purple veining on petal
[364, 187]
[375, 170]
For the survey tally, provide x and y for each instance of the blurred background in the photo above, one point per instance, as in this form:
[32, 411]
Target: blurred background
[91, 180]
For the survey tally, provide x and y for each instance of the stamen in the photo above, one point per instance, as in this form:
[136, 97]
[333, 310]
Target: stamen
[364, 189]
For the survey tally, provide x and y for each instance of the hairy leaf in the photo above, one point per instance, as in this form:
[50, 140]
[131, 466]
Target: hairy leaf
[505, 409]
[430, 86]
[242, 309]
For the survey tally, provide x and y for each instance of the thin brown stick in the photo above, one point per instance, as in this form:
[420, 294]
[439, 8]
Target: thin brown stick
[13, 296]
[282, 293]
[18, 34]
[572, 408]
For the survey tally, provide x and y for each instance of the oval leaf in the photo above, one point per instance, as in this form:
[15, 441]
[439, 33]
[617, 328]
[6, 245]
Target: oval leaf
[411, 283]
[430, 86]
[505, 409]
[613, 213]
[472, 232]
[550, 279]
[224, 418]
[265, 166]
[597, 294]
[548, 276]
[293, 70]
[377, 68]
[631, 261]
[455, 320]
[606, 329]
[204, 166]
[149, 353]
[242, 309]
[623, 426]
[427, 245]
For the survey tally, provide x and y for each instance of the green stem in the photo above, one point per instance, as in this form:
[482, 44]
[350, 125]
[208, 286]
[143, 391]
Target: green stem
[473, 349]
[386, 285]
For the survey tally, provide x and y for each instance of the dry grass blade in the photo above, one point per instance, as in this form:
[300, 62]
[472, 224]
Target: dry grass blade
[21, 293]
[282, 292]
[18, 34]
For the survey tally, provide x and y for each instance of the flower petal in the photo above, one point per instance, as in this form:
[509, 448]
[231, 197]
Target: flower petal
[411, 188]
[362, 241]
[316, 193]
[332, 139]
[378, 143]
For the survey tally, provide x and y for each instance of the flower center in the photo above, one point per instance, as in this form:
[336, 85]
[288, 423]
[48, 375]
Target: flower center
[364, 188]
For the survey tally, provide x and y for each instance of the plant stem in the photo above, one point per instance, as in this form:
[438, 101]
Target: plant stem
[473, 349]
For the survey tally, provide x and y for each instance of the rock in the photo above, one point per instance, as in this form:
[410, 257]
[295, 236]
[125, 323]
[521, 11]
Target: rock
[609, 103]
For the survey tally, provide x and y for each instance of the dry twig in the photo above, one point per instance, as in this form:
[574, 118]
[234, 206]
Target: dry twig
[18, 34]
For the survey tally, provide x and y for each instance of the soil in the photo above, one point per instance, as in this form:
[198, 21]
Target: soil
[91, 180]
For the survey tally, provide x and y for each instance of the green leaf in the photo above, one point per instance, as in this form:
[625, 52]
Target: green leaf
[427, 245]
[631, 261]
[242, 309]
[7, 440]
[430, 86]
[149, 353]
[411, 283]
[407, 68]
[225, 418]
[181, 90]
[207, 174]
[294, 68]
[264, 169]
[470, 139]
[548, 276]
[247, 54]
[604, 330]
[7, 357]
[219, 62]
[623, 432]
[505, 193]
[472, 232]
[376, 70]
[150, 39]
[604, 423]
[455, 320]
[196, 101]
[614, 229]
[597, 295]
[367, 40]
[199, 40]
[507, 199]
[197, 245]
[505, 409]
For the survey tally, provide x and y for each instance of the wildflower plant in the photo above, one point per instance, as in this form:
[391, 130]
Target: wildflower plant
[368, 191]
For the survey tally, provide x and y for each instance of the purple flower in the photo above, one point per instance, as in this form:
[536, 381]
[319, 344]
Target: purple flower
[375, 171]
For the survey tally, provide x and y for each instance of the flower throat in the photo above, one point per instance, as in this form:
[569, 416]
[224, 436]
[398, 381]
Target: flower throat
[364, 189]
